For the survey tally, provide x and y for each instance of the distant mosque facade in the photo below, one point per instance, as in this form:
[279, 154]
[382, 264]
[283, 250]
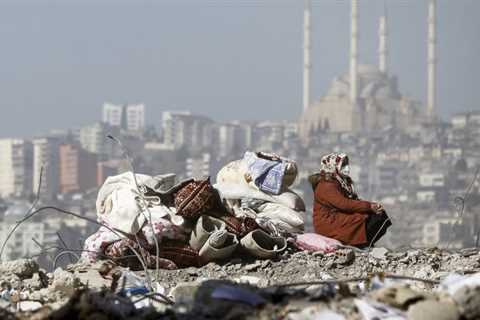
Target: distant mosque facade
[368, 97]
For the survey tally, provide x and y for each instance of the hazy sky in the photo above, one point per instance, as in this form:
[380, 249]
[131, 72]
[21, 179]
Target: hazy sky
[229, 59]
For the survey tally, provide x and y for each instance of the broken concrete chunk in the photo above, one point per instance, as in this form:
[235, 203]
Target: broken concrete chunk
[63, 281]
[432, 309]
[344, 256]
[184, 293]
[29, 306]
[379, 253]
[397, 296]
[468, 300]
[23, 268]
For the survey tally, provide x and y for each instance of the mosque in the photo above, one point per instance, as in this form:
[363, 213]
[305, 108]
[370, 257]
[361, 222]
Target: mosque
[368, 97]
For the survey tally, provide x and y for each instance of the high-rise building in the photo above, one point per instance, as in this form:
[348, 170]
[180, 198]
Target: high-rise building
[15, 167]
[94, 139]
[109, 168]
[233, 139]
[129, 117]
[135, 117]
[112, 114]
[46, 155]
[200, 167]
[183, 129]
[78, 169]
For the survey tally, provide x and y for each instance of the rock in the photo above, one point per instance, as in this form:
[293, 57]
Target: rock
[6, 315]
[345, 256]
[63, 281]
[192, 271]
[253, 266]
[37, 282]
[251, 280]
[314, 313]
[184, 293]
[29, 306]
[93, 279]
[397, 296]
[468, 300]
[4, 304]
[23, 268]
[432, 309]
[379, 253]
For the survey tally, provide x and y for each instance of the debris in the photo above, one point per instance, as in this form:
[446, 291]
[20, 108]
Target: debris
[399, 296]
[26, 306]
[379, 253]
[371, 310]
[235, 293]
[64, 282]
[468, 301]
[316, 313]
[23, 268]
[431, 309]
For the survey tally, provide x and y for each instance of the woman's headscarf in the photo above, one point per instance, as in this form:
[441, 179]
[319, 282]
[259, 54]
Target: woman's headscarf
[331, 167]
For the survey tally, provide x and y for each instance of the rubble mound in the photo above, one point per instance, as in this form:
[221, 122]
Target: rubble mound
[345, 284]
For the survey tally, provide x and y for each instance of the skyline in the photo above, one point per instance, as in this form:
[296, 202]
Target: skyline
[60, 70]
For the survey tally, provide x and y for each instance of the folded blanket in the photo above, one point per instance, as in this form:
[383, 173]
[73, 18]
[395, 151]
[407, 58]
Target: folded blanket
[267, 174]
[122, 202]
[316, 242]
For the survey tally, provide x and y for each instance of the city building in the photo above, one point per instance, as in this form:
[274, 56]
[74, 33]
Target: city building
[16, 166]
[129, 117]
[112, 114]
[78, 169]
[93, 138]
[46, 167]
[234, 139]
[135, 118]
[184, 129]
[109, 168]
[201, 167]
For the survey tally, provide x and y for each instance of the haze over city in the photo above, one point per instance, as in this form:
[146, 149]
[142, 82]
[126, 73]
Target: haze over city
[61, 60]
[240, 159]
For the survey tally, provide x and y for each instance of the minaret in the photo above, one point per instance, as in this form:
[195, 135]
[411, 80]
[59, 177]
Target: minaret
[354, 53]
[382, 47]
[432, 59]
[307, 65]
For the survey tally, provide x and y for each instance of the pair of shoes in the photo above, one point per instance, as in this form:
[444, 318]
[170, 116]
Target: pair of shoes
[211, 239]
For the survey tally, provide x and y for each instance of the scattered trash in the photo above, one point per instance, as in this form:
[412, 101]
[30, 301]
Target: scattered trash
[239, 294]
[26, 306]
[371, 310]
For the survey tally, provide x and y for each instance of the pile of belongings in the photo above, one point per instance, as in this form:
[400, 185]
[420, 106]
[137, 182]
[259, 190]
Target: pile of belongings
[149, 221]
[257, 186]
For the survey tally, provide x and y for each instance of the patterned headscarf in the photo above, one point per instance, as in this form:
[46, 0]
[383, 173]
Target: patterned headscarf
[331, 166]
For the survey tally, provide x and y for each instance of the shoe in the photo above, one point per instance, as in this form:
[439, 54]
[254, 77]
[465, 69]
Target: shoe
[262, 245]
[204, 228]
[219, 246]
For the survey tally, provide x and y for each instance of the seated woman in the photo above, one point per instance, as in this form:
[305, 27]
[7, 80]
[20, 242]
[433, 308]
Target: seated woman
[338, 212]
